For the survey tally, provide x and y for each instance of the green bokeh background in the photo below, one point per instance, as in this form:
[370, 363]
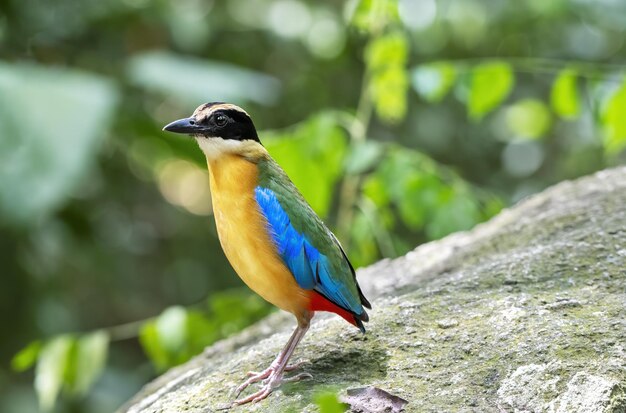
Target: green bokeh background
[105, 219]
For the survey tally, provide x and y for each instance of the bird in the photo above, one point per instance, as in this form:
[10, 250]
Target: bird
[271, 236]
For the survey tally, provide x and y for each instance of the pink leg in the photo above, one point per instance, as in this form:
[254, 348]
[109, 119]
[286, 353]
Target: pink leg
[273, 375]
[263, 374]
[256, 377]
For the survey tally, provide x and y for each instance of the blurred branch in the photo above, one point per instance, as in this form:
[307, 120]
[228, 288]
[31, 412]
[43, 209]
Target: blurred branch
[588, 70]
[126, 331]
[360, 123]
[382, 236]
[350, 185]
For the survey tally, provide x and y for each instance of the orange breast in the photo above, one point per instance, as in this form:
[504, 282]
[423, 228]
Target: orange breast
[244, 238]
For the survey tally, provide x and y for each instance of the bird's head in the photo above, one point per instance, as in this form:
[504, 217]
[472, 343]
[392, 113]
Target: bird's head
[218, 128]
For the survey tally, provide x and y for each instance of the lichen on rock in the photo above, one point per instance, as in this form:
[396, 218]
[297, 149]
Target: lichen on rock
[525, 313]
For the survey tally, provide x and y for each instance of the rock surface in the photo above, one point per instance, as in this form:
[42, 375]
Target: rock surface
[525, 313]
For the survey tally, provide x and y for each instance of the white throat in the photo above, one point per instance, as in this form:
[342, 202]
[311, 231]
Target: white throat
[213, 148]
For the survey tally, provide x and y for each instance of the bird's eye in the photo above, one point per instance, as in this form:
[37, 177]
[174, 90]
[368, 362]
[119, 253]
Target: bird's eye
[221, 120]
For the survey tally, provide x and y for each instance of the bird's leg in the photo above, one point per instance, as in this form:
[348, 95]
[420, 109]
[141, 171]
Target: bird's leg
[258, 376]
[273, 375]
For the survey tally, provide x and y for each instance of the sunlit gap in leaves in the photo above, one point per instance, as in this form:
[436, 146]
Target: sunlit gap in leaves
[185, 184]
[417, 15]
[316, 26]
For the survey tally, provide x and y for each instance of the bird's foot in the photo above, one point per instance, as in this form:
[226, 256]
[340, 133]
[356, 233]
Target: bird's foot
[254, 377]
[271, 381]
[265, 373]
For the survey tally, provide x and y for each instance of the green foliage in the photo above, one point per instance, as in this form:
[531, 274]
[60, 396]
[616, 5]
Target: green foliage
[363, 228]
[52, 123]
[165, 339]
[26, 357]
[373, 16]
[74, 362]
[86, 362]
[312, 153]
[433, 81]
[564, 96]
[614, 120]
[386, 59]
[328, 402]
[363, 156]
[528, 119]
[191, 80]
[82, 158]
[491, 83]
[179, 333]
[68, 362]
[154, 348]
[236, 309]
[427, 197]
[51, 370]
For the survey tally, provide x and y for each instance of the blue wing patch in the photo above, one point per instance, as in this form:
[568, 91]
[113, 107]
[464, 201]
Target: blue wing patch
[311, 269]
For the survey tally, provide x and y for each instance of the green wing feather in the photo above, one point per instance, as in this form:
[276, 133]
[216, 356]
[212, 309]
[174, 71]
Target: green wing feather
[306, 222]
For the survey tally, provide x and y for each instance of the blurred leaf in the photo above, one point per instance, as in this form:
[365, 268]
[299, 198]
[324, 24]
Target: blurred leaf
[50, 372]
[428, 197]
[385, 58]
[614, 120]
[235, 309]
[51, 123]
[389, 89]
[528, 118]
[391, 49]
[373, 15]
[396, 168]
[89, 360]
[365, 250]
[363, 156]
[151, 343]
[179, 334]
[201, 332]
[312, 154]
[171, 328]
[418, 199]
[491, 83]
[564, 96]
[26, 357]
[375, 189]
[457, 211]
[329, 403]
[492, 206]
[193, 80]
[165, 339]
[434, 80]
[380, 221]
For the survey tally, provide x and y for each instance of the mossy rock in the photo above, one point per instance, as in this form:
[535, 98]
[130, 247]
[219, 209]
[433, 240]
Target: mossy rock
[525, 313]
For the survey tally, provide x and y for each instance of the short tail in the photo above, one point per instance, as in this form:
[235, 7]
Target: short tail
[359, 319]
[320, 303]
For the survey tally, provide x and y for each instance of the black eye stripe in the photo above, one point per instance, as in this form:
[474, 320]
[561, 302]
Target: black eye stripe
[228, 123]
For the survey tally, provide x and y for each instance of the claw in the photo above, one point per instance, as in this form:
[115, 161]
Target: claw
[297, 365]
[255, 397]
[273, 376]
[274, 380]
[297, 377]
[261, 374]
[265, 375]
[248, 382]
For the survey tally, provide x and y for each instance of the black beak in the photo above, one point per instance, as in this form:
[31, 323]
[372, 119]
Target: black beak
[187, 125]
